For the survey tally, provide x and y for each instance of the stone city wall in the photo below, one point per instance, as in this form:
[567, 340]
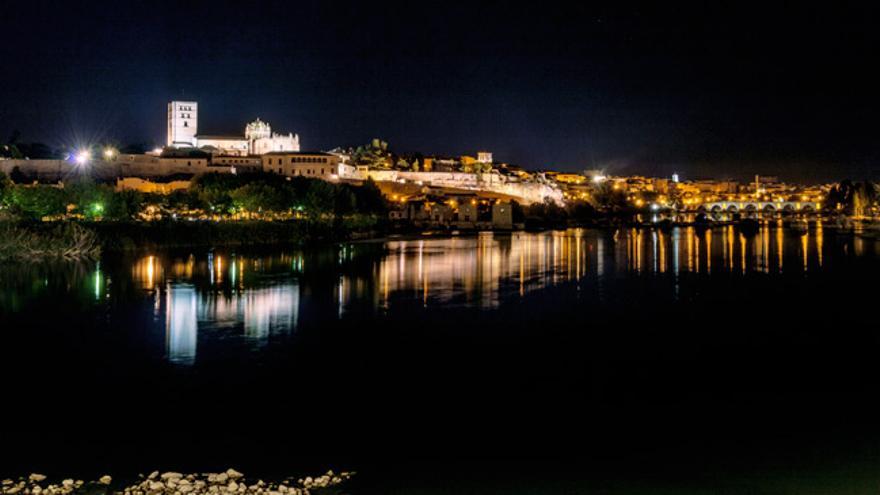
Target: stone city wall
[526, 192]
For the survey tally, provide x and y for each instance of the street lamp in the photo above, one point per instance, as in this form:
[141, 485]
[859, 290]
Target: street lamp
[83, 157]
[109, 153]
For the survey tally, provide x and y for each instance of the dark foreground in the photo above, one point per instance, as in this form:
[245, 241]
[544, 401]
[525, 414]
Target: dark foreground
[689, 361]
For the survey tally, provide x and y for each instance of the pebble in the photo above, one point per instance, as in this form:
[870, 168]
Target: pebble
[230, 482]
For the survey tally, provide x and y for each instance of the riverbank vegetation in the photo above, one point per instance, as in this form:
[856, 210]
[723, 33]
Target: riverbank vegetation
[210, 196]
[63, 241]
[79, 218]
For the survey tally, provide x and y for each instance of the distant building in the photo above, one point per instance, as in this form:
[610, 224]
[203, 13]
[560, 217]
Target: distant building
[262, 140]
[484, 157]
[502, 215]
[317, 165]
[166, 186]
[258, 137]
[238, 163]
[223, 145]
[183, 123]
[467, 211]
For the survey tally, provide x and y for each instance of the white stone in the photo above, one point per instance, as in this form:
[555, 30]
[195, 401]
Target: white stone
[233, 474]
[36, 477]
[105, 480]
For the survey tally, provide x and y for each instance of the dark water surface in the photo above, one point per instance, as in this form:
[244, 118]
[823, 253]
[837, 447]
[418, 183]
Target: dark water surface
[698, 361]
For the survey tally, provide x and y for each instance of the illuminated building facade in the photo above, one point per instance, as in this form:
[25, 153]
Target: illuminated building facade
[258, 137]
[183, 123]
[318, 165]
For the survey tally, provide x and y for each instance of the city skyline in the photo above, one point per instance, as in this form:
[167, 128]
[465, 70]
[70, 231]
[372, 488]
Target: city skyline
[640, 90]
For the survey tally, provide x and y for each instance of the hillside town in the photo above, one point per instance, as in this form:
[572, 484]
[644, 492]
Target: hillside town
[423, 190]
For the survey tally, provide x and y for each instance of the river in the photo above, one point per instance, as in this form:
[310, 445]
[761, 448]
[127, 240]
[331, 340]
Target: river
[620, 361]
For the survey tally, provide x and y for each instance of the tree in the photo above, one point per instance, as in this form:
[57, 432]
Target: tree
[605, 198]
[863, 198]
[373, 155]
[124, 205]
[259, 196]
[5, 186]
[36, 201]
[91, 200]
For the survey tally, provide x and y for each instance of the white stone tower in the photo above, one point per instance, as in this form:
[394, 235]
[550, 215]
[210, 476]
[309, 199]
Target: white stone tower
[183, 123]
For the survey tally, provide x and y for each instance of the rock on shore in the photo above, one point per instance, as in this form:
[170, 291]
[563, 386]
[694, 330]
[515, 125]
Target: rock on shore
[229, 482]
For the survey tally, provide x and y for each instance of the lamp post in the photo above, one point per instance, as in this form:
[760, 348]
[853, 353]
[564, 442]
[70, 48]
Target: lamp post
[83, 157]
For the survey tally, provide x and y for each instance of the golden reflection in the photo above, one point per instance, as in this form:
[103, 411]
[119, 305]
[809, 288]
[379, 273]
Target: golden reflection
[780, 236]
[709, 251]
[472, 270]
[662, 251]
[724, 253]
[730, 246]
[805, 247]
[689, 239]
[147, 272]
[639, 250]
[765, 246]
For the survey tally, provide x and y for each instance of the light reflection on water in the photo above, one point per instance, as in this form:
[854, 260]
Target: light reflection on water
[263, 295]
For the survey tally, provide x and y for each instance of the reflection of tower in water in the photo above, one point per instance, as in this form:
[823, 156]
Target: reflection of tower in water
[181, 324]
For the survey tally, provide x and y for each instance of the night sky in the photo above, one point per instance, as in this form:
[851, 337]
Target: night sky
[634, 89]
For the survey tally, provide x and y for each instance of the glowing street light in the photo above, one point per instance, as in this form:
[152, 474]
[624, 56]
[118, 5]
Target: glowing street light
[109, 153]
[83, 157]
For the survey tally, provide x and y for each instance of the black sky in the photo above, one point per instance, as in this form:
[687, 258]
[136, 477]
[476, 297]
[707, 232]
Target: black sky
[702, 90]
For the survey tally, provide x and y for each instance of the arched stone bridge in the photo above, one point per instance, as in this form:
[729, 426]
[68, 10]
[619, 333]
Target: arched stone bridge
[760, 206]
